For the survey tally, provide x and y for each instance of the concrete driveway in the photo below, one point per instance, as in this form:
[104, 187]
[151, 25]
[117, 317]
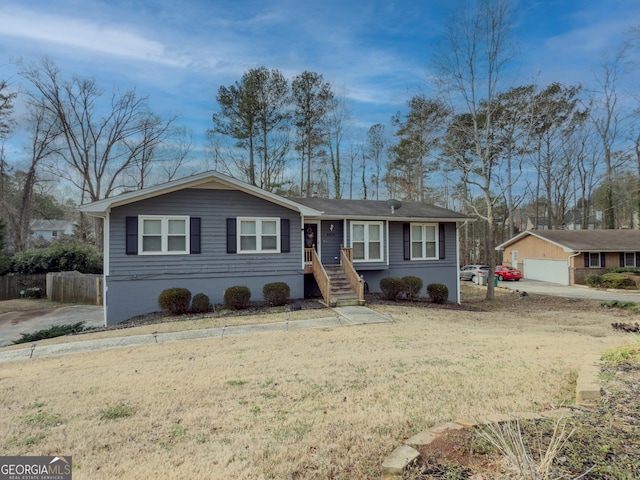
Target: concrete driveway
[12, 324]
[578, 291]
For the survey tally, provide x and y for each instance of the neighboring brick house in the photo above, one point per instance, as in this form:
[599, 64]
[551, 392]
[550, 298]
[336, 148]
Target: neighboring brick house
[566, 256]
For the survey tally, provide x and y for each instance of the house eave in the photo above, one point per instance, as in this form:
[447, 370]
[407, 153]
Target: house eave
[526, 233]
[100, 208]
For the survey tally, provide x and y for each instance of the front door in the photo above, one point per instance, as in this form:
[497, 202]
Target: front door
[311, 235]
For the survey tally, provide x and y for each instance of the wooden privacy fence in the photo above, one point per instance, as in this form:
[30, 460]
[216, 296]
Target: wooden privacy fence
[74, 287]
[11, 285]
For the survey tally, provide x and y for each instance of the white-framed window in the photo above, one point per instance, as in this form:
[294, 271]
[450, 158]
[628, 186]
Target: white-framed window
[163, 235]
[594, 260]
[424, 241]
[367, 241]
[258, 235]
[629, 259]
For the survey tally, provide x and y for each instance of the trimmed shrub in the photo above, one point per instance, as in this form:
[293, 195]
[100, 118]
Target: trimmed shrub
[634, 270]
[593, 279]
[175, 300]
[276, 293]
[200, 303]
[237, 298]
[59, 257]
[412, 286]
[391, 287]
[438, 292]
[617, 280]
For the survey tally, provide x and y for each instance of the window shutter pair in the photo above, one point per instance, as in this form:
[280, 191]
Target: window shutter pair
[131, 229]
[232, 234]
[406, 241]
[588, 264]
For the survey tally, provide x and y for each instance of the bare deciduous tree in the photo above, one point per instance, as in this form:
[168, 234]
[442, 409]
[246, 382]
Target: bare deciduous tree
[337, 120]
[376, 143]
[99, 140]
[473, 55]
[44, 132]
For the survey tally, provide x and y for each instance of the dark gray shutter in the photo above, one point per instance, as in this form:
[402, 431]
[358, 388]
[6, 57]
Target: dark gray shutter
[441, 245]
[586, 259]
[285, 243]
[131, 227]
[637, 259]
[622, 259]
[194, 233]
[406, 237]
[232, 244]
[602, 255]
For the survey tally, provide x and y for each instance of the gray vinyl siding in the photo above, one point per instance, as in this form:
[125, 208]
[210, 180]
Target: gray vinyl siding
[135, 281]
[443, 271]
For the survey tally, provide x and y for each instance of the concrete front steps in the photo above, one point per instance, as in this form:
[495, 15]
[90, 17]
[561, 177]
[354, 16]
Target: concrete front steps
[342, 294]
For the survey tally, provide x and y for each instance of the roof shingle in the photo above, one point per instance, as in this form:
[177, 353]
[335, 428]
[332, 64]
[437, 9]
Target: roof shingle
[378, 209]
[593, 240]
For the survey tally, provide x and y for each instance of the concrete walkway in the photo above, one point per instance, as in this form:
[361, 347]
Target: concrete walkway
[344, 316]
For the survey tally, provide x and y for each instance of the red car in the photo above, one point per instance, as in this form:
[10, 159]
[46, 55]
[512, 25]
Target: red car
[508, 273]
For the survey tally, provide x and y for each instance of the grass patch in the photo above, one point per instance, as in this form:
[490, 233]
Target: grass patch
[52, 332]
[31, 439]
[121, 410]
[236, 383]
[632, 306]
[617, 356]
[42, 418]
[326, 403]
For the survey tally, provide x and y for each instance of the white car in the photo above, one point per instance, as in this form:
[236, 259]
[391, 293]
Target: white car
[469, 272]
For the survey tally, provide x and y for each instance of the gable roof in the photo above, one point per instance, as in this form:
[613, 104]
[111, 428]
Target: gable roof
[585, 240]
[308, 207]
[101, 208]
[380, 210]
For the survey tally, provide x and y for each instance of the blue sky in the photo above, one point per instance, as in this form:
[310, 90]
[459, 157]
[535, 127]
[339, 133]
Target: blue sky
[376, 52]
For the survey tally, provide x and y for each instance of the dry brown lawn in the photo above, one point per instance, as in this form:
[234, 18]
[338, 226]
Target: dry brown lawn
[319, 404]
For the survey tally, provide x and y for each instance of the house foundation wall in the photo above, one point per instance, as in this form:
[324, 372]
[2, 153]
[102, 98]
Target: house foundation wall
[578, 274]
[127, 297]
[440, 274]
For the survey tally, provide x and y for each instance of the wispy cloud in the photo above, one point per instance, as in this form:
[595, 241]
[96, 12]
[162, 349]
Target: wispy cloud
[78, 33]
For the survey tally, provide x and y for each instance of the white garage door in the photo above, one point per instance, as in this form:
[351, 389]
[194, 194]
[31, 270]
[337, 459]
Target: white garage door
[554, 271]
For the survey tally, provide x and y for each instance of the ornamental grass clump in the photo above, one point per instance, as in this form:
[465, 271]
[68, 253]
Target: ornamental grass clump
[175, 300]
